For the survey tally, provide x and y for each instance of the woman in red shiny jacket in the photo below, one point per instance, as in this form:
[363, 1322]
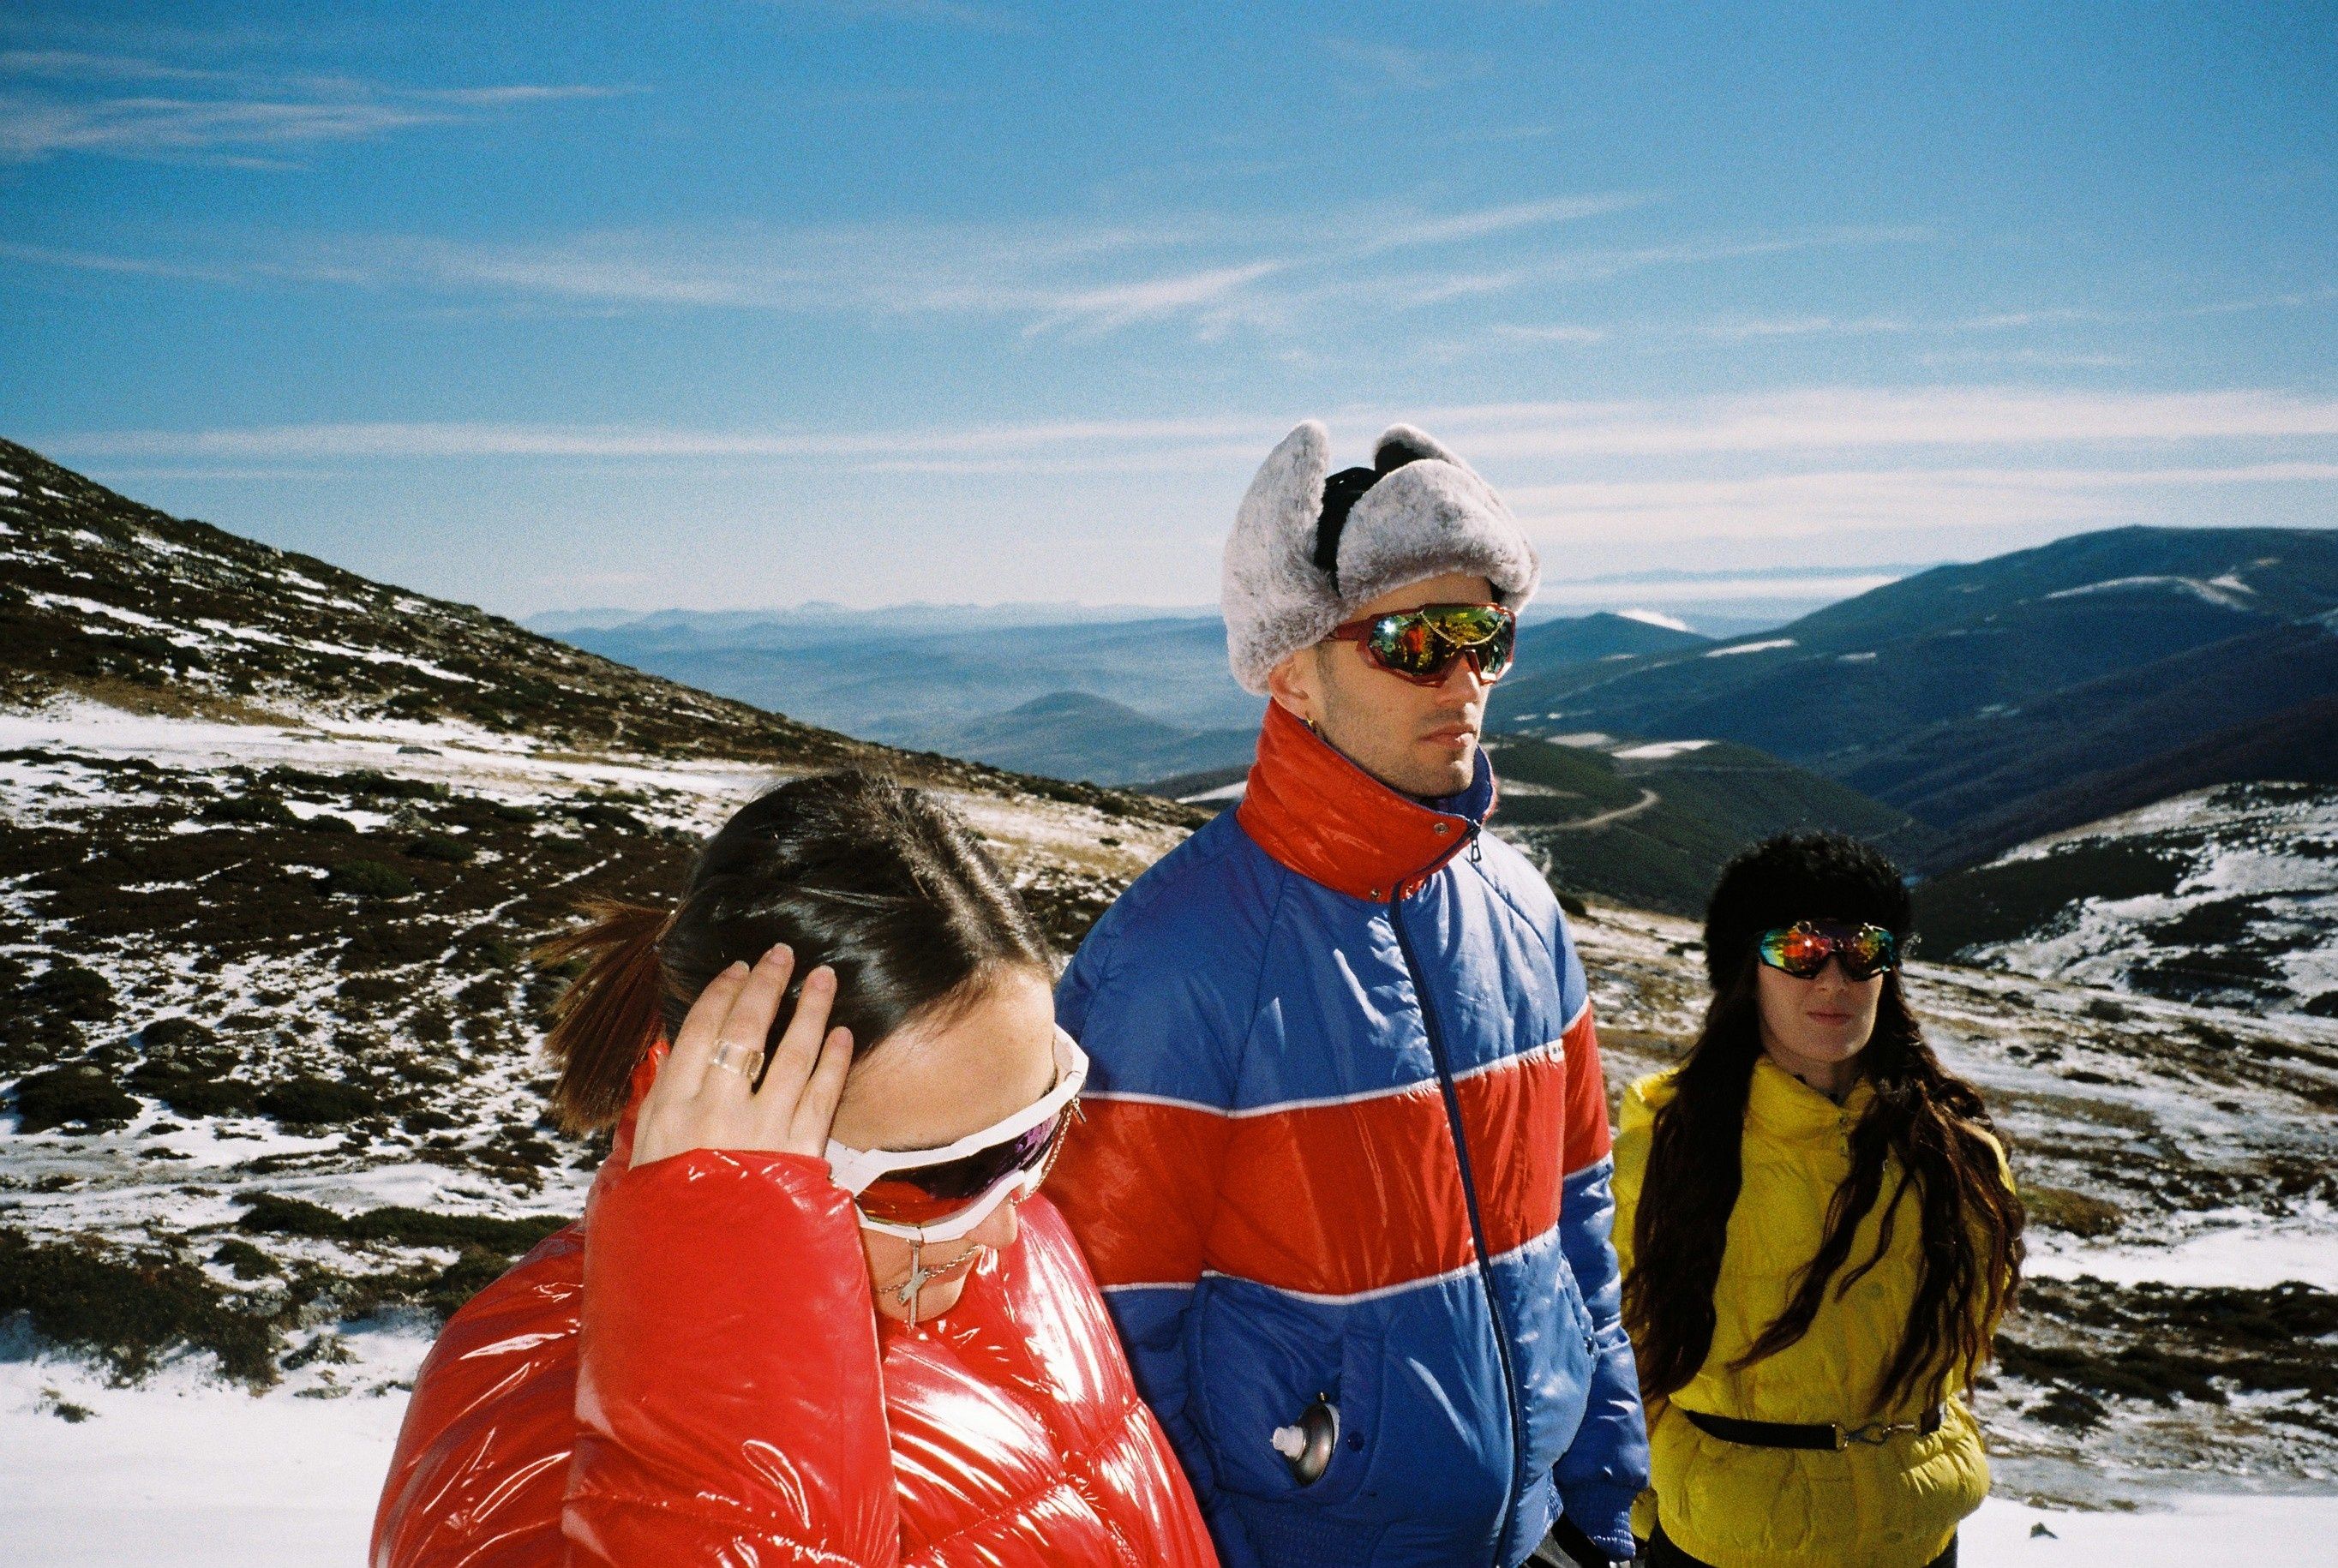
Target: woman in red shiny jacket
[815, 1312]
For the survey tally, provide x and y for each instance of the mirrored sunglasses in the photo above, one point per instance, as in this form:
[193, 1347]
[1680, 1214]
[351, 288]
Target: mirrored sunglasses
[1420, 645]
[1803, 949]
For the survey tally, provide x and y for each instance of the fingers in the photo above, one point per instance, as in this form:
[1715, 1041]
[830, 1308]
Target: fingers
[697, 1104]
[744, 1029]
[815, 1113]
[694, 1046]
[798, 1050]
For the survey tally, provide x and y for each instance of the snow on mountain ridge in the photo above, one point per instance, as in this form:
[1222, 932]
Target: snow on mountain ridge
[2224, 591]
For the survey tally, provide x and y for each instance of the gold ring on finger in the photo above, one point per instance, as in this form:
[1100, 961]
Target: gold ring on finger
[737, 1058]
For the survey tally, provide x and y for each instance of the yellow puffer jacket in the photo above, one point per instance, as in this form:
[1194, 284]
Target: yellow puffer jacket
[1895, 1504]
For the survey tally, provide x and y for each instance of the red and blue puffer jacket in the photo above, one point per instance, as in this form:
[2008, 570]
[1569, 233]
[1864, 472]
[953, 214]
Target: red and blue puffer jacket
[1348, 1140]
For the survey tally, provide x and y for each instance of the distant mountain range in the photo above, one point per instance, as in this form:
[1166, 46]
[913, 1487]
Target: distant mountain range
[1992, 701]
[909, 678]
[1074, 735]
[2009, 697]
[1100, 695]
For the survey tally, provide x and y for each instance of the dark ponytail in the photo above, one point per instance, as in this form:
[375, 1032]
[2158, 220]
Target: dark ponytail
[882, 883]
[600, 1022]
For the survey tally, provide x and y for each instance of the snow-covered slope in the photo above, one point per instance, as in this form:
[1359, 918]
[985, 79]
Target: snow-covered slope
[2225, 896]
[263, 940]
[274, 844]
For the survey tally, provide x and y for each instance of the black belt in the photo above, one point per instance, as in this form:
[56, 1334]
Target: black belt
[1826, 1435]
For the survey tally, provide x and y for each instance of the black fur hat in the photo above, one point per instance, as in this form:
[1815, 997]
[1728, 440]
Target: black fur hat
[1799, 876]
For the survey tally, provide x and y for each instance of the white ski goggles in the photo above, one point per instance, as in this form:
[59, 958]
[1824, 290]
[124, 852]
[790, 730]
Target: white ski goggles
[942, 1194]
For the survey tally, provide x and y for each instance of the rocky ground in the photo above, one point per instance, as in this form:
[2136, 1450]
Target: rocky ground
[270, 1023]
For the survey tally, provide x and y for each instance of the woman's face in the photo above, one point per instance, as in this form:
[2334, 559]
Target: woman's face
[1817, 1023]
[924, 1086]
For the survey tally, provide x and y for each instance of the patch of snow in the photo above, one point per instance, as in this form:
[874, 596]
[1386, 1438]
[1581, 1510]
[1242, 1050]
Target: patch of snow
[95, 607]
[344, 650]
[2245, 1250]
[1856, 658]
[2218, 591]
[1587, 739]
[2251, 859]
[2198, 1530]
[188, 1472]
[1658, 751]
[1750, 647]
[357, 817]
[1656, 617]
[384, 656]
[1233, 791]
[241, 633]
[2231, 580]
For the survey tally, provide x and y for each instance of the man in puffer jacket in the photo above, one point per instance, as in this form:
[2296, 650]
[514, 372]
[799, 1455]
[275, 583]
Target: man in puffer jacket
[1345, 1176]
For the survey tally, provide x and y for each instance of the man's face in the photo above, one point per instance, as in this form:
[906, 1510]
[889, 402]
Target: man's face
[1419, 740]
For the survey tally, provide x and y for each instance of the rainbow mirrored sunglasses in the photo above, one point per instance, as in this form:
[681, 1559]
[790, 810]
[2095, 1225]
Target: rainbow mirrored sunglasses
[942, 1194]
[1803, 949]
[1420, 645]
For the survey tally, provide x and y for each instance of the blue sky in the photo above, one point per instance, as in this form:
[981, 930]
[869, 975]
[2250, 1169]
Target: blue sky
[738, 303]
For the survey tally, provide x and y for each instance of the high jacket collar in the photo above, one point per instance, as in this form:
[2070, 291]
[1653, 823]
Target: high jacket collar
[1333, 823]
[1783, 1106]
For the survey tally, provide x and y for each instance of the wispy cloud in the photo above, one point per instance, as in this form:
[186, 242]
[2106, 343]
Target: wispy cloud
[1212, 271]
[1558, 332]
[57, 101]
[1111, 440]
[1784, 328]
[80, 66]
[1515, 442]
[1490, 220]
[941, 13]
[1958, 470]
[2035, 358]
[1840, 501]
[1857, 417]
[1372, 63]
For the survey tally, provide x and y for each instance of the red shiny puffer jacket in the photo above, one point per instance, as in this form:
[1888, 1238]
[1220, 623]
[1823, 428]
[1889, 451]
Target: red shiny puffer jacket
[694, 1375]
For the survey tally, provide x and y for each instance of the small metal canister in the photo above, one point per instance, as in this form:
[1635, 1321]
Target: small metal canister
[1308, 1445]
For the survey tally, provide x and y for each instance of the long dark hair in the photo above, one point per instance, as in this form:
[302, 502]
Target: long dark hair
[850, 869]
[1926, 1118]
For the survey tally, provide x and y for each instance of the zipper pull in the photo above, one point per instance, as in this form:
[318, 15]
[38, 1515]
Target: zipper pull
[1476, 854]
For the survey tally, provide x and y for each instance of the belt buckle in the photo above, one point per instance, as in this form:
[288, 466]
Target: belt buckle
[1875, 1434]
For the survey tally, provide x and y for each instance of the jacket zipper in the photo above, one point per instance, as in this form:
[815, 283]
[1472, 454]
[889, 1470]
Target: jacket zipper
[1470, 1200]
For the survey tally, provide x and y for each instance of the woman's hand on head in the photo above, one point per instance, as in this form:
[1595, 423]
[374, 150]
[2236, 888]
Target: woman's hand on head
[706, 1097]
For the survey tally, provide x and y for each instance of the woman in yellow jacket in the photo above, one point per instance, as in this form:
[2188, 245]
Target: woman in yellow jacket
[1828, 1239]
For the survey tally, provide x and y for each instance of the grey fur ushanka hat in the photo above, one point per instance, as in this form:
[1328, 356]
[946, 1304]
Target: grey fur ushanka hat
[1296, 568]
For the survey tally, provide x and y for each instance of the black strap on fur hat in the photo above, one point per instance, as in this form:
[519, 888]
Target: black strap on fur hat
[1341, 491]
